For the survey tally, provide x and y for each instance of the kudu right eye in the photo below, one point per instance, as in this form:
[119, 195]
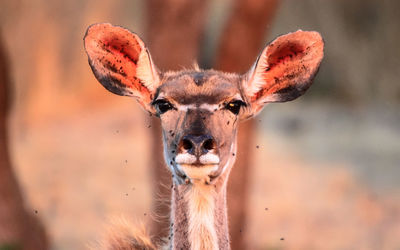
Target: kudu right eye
[234, 106]
[162, 106]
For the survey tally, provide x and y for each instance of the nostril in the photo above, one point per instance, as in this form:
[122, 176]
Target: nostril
[209, 144]
[187, 144]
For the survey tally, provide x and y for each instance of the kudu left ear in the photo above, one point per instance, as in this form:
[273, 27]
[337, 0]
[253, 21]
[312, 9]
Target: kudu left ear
[284, 70]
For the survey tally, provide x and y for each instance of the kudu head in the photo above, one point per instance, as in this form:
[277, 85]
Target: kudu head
[200, 109]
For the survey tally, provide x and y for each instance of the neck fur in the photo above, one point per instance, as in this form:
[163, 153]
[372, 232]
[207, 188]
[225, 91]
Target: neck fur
[199, 216]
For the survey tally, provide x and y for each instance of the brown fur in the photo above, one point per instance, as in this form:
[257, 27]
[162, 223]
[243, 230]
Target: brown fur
[201, 210]
[122, 235]
[199, 216]
[196, 107]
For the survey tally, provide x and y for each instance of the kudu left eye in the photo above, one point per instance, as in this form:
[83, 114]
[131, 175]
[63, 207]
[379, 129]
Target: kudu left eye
[162, 106]
[234, 106]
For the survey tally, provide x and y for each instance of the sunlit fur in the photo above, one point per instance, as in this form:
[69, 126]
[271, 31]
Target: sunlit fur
[201, 207]
[122, 235]
[198, 102]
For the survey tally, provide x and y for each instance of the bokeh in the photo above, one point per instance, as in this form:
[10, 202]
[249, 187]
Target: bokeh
[327, 166]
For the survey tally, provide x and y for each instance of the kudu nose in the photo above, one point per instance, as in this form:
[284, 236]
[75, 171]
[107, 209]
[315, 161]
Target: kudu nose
[197, 145]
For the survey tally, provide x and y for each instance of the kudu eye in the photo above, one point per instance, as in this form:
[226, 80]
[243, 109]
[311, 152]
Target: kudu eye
[162, 106]
[234, 106]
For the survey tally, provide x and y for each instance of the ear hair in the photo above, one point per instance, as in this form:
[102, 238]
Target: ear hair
[285, 69]
[121, 62]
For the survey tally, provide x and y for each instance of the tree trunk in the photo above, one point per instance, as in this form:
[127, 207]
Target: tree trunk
[19, 228]
[240, 44]
[174, 33]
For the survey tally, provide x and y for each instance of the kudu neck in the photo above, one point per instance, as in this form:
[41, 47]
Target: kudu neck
[199, 215]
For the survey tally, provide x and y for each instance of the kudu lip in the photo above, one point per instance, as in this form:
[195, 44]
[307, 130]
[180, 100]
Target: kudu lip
[192, 169]
[198, 173]
[189, 159]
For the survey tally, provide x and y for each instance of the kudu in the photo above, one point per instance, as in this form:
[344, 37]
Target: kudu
[236, 48]
[199, 112]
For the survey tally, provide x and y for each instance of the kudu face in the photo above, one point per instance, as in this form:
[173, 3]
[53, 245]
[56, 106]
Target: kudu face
[200, 110]
[199, 113]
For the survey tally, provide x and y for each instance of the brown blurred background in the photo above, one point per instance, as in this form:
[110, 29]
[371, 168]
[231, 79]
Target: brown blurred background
[327, 166]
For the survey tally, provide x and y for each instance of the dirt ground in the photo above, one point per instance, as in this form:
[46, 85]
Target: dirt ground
[325, 178]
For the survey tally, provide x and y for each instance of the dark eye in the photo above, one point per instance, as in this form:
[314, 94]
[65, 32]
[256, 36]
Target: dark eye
[234, 106]
[162, 106]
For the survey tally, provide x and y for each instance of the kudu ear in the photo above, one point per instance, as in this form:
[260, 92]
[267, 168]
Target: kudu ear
[121, 62]
[284, 70]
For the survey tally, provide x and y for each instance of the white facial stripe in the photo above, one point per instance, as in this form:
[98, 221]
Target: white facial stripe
[209, 107]
[205, 106]
[209, 158]
[185, 158]
[185, 108]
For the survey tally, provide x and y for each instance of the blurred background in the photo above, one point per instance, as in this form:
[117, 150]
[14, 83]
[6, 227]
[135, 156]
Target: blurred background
[326, 167]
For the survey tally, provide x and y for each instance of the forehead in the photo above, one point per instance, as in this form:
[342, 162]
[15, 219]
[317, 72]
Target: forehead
[207, 86]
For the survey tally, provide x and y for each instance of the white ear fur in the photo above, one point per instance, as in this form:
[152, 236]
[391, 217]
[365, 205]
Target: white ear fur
[285, 69]
[121, 62]
[255, 81]
[147, 72]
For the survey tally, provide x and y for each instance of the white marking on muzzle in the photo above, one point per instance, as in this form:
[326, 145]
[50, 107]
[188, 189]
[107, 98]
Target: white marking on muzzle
[209, 163]
[209, 158]
[185, 158]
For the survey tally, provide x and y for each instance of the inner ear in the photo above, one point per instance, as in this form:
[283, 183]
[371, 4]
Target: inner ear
[121, 62]
[277, 55]
[285, 69]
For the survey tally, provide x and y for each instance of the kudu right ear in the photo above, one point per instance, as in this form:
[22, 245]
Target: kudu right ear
[121, 62]
[284, 70]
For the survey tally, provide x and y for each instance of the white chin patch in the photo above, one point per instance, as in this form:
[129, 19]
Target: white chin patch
[200, 173]
[197, 170]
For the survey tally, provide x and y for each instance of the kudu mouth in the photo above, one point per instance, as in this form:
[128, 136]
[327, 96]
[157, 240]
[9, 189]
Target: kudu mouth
[195, 169]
